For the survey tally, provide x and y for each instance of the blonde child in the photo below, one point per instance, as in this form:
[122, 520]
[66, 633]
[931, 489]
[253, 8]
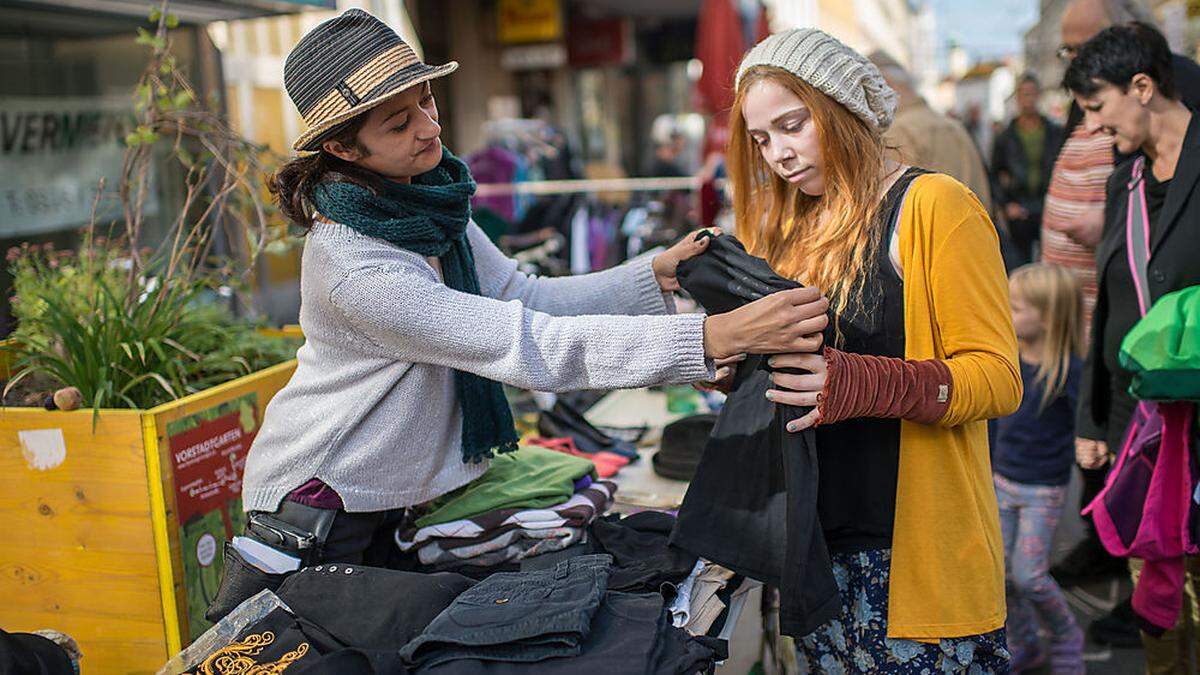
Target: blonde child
[1033, 453]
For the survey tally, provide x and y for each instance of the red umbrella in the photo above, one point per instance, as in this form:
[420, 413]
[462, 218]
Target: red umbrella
[720, 44]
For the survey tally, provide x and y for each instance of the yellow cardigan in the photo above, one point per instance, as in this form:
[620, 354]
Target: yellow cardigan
[947, 571]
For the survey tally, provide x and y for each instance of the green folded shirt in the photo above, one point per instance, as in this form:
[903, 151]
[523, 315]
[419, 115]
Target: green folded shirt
[529, 478]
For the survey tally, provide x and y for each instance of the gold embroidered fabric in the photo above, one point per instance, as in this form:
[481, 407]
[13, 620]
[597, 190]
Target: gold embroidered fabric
[237, 658]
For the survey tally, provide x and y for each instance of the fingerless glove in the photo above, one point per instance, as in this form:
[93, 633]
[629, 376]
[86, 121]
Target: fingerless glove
[860, 385]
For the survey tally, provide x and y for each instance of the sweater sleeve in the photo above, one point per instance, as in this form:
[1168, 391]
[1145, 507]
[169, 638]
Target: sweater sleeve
[407, 315]
[972, 316]
[627, 289]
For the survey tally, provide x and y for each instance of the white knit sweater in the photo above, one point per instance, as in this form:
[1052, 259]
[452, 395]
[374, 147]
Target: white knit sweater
[372, 409]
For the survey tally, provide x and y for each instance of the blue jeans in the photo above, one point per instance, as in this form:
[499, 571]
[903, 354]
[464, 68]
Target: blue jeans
[1029, 515]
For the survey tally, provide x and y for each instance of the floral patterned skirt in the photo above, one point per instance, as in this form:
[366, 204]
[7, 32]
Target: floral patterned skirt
[857, 642]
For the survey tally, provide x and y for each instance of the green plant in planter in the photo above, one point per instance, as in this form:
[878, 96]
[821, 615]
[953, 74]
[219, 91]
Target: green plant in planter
[131, 326]
[81, 325]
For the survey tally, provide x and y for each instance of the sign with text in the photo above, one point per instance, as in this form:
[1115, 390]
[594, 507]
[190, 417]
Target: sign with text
[599, 42]
[208, 452]
[534, 57]
[54, 151]
[519, 21]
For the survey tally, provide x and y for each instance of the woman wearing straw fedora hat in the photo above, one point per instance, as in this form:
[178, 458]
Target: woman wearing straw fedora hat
[413, 319]
[919, 354]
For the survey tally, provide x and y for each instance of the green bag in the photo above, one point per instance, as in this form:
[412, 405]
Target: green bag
[1163, 349]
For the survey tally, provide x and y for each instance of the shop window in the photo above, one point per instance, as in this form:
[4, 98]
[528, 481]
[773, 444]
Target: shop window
[65, 106]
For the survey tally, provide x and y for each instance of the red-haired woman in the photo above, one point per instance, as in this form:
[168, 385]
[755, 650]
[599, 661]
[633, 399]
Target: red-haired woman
[920, 354]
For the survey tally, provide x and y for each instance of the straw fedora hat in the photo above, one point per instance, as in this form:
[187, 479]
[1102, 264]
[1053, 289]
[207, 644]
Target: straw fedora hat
[346, 66]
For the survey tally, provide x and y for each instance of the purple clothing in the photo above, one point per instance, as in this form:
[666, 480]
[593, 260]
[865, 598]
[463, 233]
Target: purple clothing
[495, 165]
[583, 483]
[318, 495]
[1143, 511]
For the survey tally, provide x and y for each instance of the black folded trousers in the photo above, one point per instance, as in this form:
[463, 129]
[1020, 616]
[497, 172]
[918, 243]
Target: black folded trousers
[370, 607]
[631, 634]
[522, 617]
[752, 505]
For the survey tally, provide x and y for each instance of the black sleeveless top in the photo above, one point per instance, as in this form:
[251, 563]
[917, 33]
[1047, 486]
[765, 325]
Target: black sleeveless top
[860, 458]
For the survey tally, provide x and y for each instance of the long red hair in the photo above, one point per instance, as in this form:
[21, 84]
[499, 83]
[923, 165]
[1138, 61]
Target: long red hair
[826, 241]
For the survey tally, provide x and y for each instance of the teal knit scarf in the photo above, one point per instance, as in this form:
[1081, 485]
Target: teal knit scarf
[429, 216]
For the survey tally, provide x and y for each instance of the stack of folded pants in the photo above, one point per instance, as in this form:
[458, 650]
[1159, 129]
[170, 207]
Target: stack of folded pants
[519, 617]
[558, 620]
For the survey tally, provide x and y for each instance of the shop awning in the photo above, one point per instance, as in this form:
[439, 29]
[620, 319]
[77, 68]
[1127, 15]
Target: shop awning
[188, 11]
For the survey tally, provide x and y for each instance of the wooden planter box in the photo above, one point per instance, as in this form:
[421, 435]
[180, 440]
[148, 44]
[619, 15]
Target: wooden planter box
[113, 534]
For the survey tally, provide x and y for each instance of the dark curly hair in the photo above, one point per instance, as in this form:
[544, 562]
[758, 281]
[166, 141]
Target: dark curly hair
[292, 185]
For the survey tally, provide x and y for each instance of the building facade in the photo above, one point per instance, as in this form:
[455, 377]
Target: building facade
[67, 74]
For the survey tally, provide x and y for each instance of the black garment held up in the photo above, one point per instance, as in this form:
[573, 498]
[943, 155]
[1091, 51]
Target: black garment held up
[752, 506]
[759, 504]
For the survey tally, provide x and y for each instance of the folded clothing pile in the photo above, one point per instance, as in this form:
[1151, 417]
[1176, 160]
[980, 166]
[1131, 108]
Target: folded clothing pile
[530, 502]
[559, 620]
[562, 619]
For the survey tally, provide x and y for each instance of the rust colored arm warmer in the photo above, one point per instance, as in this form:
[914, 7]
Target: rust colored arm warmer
[858, 385]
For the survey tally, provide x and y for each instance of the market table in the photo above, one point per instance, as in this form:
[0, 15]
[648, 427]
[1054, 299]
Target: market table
[638, 485]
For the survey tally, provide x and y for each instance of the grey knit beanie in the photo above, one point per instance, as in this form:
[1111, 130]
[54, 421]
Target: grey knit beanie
[833, 68]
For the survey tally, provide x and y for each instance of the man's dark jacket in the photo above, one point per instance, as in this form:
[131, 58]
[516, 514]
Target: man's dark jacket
[1010, 180]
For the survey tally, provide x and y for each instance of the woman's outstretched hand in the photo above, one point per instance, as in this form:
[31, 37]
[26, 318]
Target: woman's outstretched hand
[665, 263]
[781, 323]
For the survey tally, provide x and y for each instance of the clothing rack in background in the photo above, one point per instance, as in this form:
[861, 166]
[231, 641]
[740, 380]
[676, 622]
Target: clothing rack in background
[585, 186]
[609, 220]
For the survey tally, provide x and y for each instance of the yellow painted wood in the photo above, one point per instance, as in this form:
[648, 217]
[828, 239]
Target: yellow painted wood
[77, 549]
[167, 572]
[265, 383]
[89, 546]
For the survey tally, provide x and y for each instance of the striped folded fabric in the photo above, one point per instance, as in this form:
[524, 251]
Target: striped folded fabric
[577, 512]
